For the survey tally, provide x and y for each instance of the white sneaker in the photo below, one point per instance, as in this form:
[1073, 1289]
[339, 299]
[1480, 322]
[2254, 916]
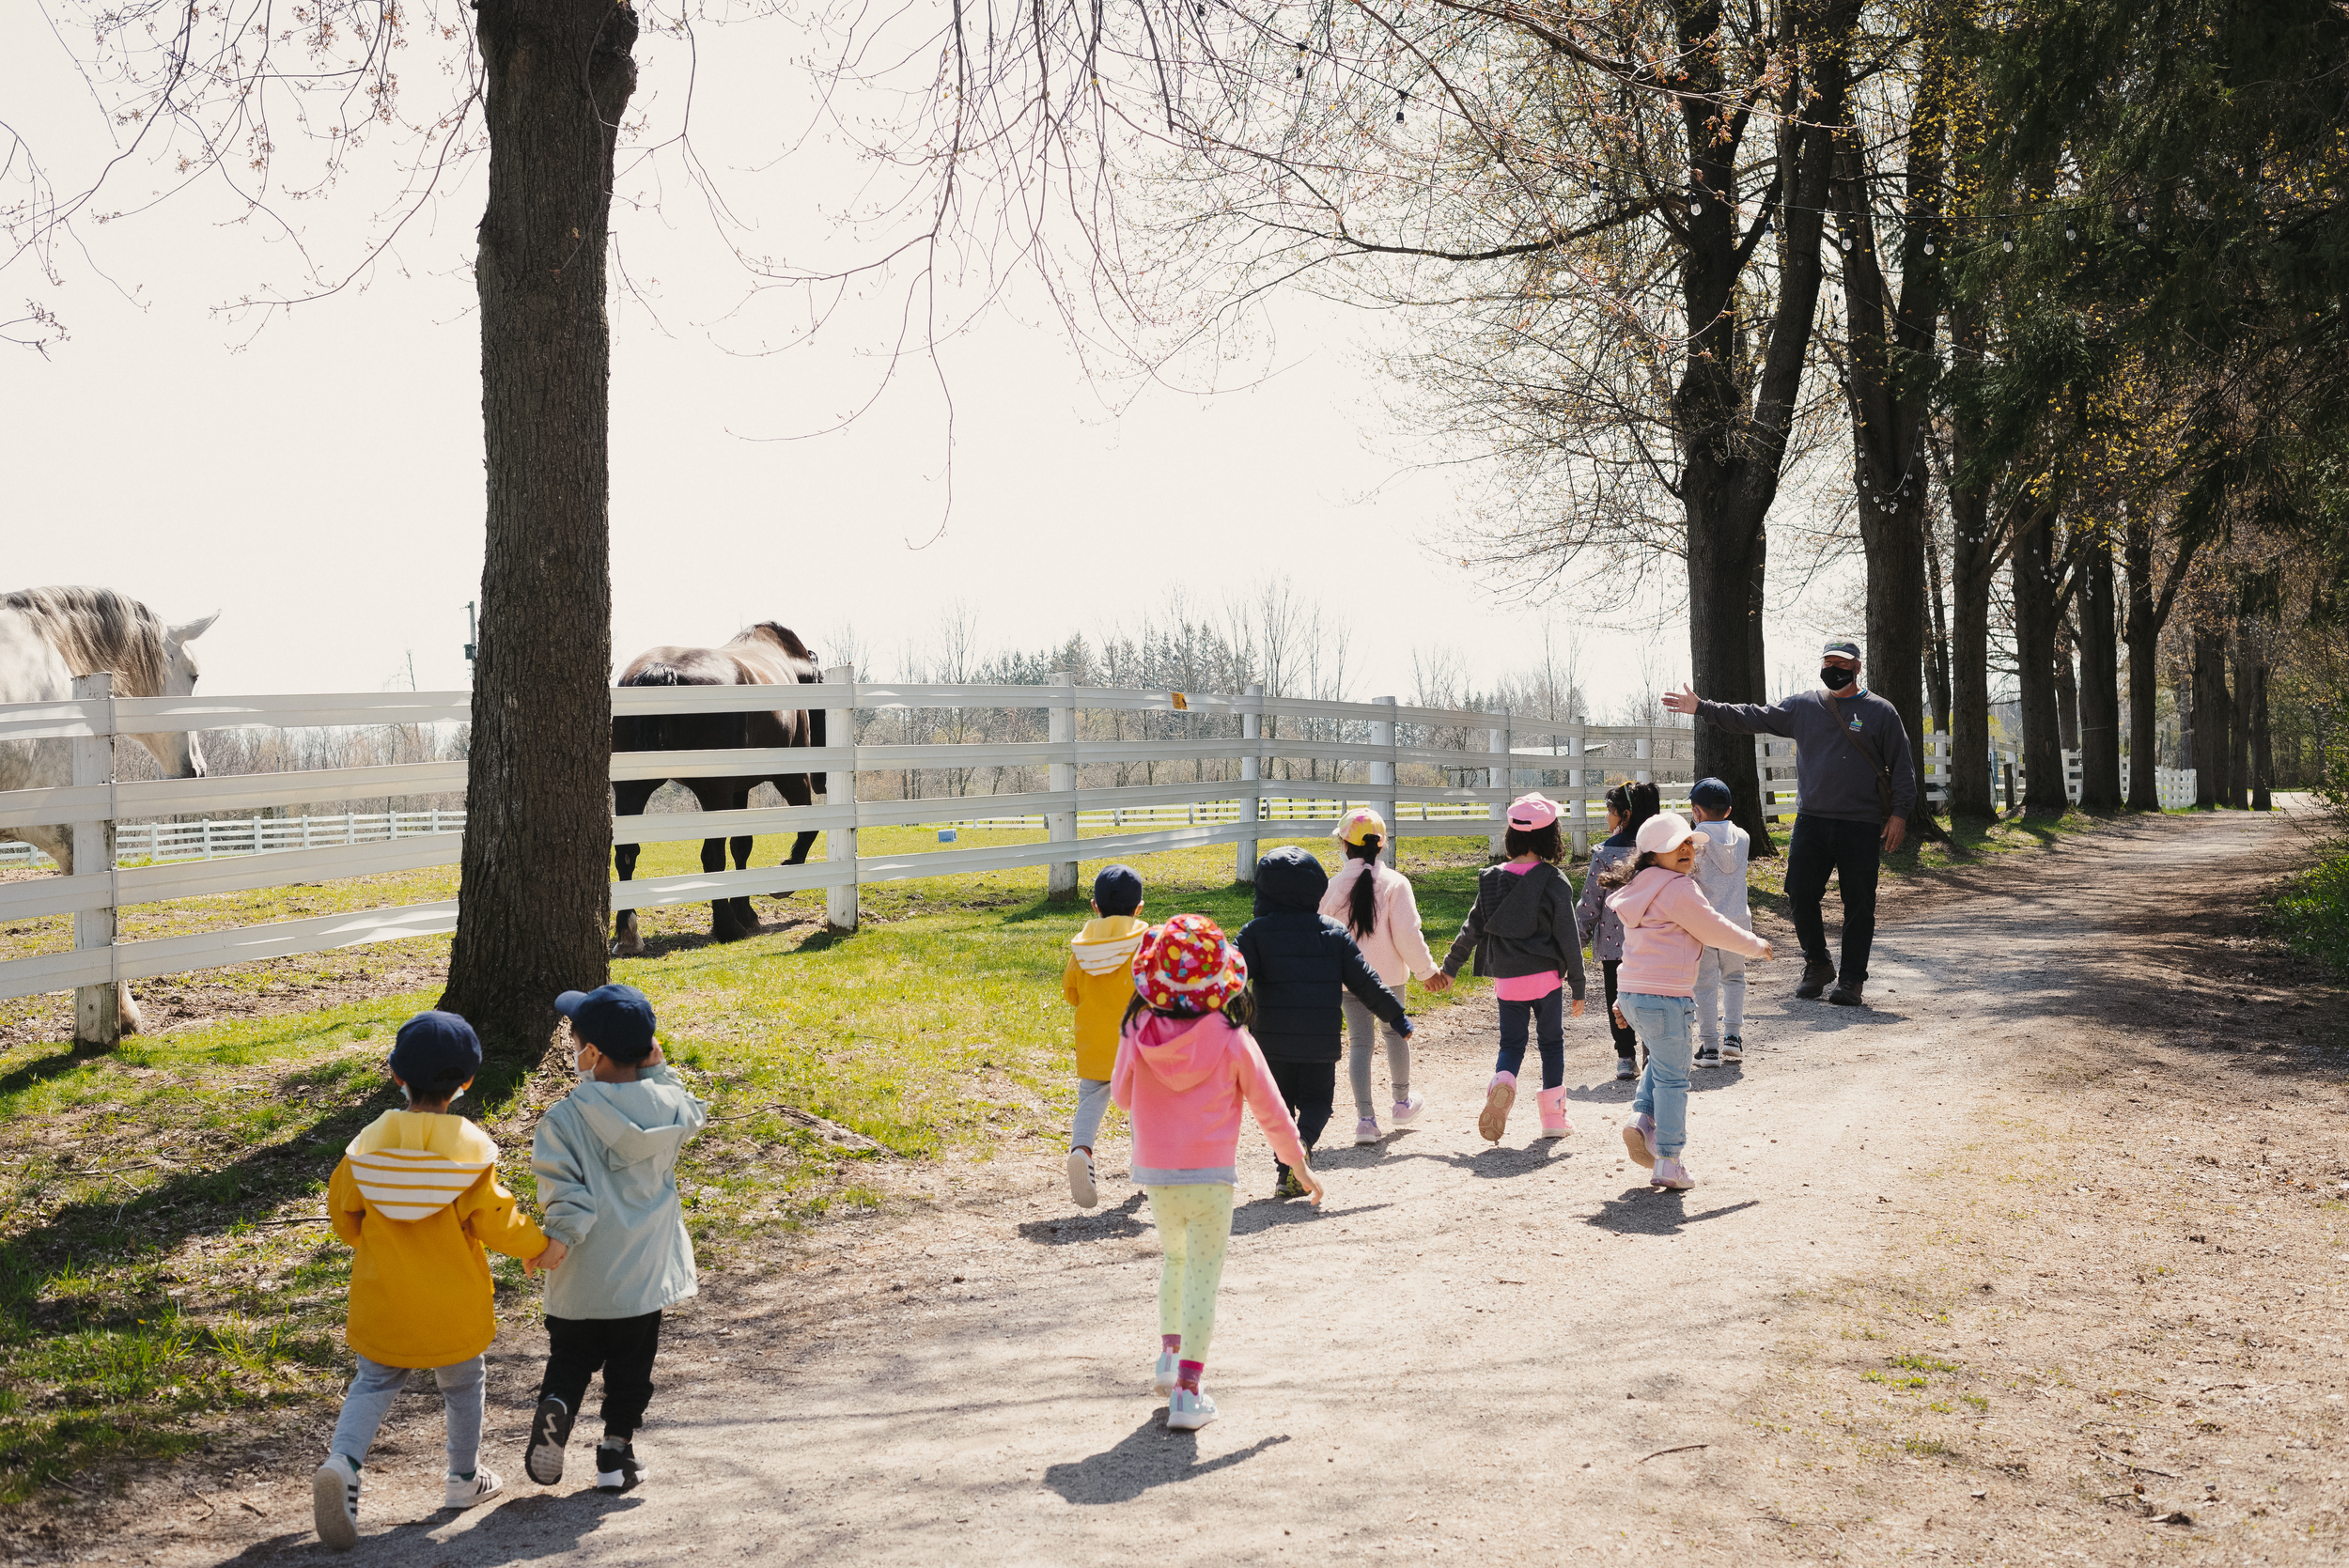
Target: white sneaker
[1639, 1138]
[1407, 1111]
[1162, 1381]
[1732, 1049]
[456, 1492]
[1080, 1185]
[1186, 1411]
[1366, 1131]
[334, 1502]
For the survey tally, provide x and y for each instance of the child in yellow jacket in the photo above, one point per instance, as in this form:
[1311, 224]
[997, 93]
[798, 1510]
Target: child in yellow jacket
[417, 1197]
[1099, 983]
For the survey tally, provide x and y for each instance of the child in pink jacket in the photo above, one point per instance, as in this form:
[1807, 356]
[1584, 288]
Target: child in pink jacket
[1186, 1062]
[1667, 926]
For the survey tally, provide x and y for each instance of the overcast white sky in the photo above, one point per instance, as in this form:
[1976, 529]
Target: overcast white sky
[319, 482]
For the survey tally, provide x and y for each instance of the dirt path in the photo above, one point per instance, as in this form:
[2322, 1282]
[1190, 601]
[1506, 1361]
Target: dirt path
[1511, 1352]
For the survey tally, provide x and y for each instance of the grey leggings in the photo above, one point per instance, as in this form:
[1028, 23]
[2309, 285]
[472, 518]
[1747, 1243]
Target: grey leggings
[1092, 1103]
[1358, 1024]
[373, 1387]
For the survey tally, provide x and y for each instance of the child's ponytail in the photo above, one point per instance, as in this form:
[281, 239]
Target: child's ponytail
[1622, 872]
[1361, 910]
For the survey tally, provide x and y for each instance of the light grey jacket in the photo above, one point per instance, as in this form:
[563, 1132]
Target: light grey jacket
[605, 1156]
[1601, 928]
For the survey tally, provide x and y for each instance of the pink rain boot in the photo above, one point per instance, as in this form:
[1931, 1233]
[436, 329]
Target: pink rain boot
[1555, 1123]
[1497, 1099]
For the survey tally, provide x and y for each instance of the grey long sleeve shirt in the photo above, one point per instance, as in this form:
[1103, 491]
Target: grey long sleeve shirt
[1831, 772]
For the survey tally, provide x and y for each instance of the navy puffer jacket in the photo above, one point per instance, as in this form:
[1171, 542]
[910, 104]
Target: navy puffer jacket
[1297, 957]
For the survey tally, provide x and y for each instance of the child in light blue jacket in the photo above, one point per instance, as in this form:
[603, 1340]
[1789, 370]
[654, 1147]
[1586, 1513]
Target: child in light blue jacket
[1722, 849]
[605, 1156]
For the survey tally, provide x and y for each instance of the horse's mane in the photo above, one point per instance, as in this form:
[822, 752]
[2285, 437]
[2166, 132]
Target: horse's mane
[781, 635]
[97, 629]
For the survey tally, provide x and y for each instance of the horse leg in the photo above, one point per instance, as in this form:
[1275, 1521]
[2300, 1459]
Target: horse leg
[628, 799]
[744, 915]
[722, 925]
[795, 791]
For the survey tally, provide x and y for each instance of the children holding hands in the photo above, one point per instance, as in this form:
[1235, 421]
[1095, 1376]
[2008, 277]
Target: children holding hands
[1375, 904]
[417, 1197]
[1667, 926]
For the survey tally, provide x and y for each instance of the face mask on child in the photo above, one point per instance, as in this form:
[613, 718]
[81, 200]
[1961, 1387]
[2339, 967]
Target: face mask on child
[1835, 678]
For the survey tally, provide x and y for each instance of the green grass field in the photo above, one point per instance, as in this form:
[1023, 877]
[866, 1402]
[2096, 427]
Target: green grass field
[162, 1278]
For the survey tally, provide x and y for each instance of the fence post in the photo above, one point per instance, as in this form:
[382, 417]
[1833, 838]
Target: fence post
[1575, 742]
[1497, 779]
[97, 1009]
[1382, 777]
[1060, 876]
[1252, 785]
[1643, 750]
[840, 904]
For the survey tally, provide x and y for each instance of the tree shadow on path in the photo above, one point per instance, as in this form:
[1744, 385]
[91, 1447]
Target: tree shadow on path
[1148, 1456]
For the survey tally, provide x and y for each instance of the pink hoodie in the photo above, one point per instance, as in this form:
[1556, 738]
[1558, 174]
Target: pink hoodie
[1182, 1081]
[1667, 926]
[1394, 945]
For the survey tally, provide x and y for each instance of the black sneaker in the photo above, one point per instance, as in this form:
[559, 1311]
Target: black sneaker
[549, 1429]
[1846, 995]
[1708, 1056]
[1816, 978]
[1627, 1068]
[1288, 1186]
[616, 1469]
[1732, 1049]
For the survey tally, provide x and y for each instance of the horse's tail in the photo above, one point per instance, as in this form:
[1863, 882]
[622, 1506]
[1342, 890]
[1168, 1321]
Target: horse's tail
[646, 731]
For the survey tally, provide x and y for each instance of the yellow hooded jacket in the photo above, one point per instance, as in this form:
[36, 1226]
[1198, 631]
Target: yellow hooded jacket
[1099, 982]
[417, 1196]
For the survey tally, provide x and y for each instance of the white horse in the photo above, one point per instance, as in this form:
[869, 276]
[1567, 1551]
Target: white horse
[48, 636]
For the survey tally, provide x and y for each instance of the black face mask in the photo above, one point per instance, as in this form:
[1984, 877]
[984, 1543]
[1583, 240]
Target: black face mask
[1836, 680]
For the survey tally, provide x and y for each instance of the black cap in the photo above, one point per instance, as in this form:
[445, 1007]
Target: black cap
[615, 1019]
[435, 1053]
[1117, 891]
[1712, 794]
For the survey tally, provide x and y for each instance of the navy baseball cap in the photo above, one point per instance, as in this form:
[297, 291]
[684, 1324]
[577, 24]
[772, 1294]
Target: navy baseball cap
[436, 1050]
[1840, 648]
[1712, 794]
[1117, 889]
[615, 1019]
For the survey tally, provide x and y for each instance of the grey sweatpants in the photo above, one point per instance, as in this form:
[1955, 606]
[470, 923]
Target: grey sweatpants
[373, 1387]
[1721, 994]
[1092, 1103]
[1359, 1023]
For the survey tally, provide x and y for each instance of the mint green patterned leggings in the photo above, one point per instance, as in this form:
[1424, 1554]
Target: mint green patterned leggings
[1195, 1223]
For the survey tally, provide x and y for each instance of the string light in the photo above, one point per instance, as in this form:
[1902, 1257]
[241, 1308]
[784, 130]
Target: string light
[1398, 107]
[1696, 201]
[2006, 241]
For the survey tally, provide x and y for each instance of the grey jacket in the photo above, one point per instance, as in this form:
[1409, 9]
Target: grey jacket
[605, 1156]
[1593, 920]
[1832, 774]
[1520, 924]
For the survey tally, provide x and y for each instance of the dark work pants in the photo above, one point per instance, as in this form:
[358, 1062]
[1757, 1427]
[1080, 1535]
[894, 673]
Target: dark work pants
[1544, 1017]
[1626, 1039]
[1825, 843]
[622, 1348]
[1309, 1089]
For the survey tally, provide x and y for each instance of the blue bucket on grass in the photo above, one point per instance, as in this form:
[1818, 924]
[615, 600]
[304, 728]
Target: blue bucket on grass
[946, 835]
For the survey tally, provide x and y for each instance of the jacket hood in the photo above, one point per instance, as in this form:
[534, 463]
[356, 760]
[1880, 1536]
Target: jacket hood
[1632, 901]
[1290, 878]
[1108, 942]
[412, 1164]
[640, 1123]
[1181, 1053]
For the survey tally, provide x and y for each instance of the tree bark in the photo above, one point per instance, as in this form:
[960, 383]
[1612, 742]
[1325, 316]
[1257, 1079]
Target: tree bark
[2263, 740]
[2100, 677]
[2210, 713]
[1974, 548]
[2239, 727]
[2034, 581]
[1937, 651]
[2150, 602]
[2067, 688]
[1735, 418]
[558, 75]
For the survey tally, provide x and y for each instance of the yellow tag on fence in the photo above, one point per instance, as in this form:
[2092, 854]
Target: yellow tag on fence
[1182, 703]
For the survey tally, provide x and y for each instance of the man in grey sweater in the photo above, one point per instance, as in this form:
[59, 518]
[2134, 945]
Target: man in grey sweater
[1855, 787]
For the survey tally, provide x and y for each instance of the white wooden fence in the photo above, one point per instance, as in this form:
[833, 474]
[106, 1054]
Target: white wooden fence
[1485, 773]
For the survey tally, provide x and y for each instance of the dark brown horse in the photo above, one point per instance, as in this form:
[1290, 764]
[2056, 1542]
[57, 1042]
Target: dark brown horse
[765, 655]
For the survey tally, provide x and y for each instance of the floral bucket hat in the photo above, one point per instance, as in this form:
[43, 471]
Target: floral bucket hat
[1188, 966]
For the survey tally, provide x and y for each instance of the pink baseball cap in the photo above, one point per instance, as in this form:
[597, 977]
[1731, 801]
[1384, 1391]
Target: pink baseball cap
[1664, 833]
[1530, 812]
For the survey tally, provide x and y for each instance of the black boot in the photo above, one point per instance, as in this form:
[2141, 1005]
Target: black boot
[1817, 975]
[1846, 994]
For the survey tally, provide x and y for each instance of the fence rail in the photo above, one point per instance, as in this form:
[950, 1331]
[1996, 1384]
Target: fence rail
[1367, 749]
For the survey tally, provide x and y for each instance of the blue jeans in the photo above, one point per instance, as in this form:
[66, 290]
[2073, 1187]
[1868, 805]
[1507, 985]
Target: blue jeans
[1663, 1024]
[373, 1387]
[1547, 1017]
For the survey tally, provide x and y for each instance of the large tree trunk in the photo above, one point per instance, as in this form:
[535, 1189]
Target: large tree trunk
[2149, 609]
[1937, 651]
[1973, 572]
[2100, 678]
[2067, 688]
[2210, 713]
[2262, 741]
[2239, 727]
[1735, 418]
[539, 814]
[2035, 614]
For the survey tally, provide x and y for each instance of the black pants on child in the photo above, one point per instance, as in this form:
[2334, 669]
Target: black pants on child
[1626, 1040]
[622, 1348]
[1309, 1089]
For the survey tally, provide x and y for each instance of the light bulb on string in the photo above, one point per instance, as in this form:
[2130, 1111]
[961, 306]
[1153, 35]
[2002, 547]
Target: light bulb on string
[1928, 247]
[2069, 233]
[2006, 241]
[1398, 107]
[1696, 201]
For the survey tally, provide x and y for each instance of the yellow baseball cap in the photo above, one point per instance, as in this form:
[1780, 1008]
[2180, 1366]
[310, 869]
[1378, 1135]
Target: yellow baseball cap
[1359, 824]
